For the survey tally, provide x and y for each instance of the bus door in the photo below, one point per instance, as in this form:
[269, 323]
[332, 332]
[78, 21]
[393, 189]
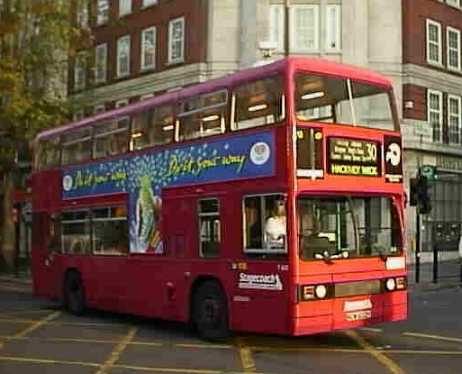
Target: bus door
[261, 276]
[45, 259]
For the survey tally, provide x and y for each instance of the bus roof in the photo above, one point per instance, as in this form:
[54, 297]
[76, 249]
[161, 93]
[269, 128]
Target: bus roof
[312, 65]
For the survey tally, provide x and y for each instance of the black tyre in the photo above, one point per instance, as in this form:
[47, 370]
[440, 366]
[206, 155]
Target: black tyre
[210, 311]
[74, 293]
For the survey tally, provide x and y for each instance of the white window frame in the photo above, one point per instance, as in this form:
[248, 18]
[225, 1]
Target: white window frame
[276, 27]
[102, 16]
[453, 3]
[78, 115]
[101, 66]
[80, 67]
[125, 7]
[100, 108]
[146, 96]
[459, 119]
[83, 14]
[120, 73]
[143, 50]
[439, 94]
[148, 3]
[121, 103]
[437, 43]
[179, 59]
[449, 49]
[337, 38]
[292, 32]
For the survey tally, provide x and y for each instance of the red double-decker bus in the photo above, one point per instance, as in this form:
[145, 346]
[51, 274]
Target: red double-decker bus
[270, 200]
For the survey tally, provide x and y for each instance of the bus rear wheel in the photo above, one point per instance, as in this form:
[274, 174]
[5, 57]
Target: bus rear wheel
[210, 312]
[74, 294]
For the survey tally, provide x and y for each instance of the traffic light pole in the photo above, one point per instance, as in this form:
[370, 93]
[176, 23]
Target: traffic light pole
[417, 245]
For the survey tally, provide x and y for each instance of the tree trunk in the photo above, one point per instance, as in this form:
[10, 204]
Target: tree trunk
[8, 243]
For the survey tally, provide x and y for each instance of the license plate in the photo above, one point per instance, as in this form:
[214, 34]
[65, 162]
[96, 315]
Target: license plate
[358, 316]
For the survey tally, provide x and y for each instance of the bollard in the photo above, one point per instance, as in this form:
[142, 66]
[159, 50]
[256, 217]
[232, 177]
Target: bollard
[435, 264]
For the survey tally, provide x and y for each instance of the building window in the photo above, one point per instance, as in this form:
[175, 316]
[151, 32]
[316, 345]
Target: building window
[121, 103]
[80, 71]
[453, 50]
[147, 3]
[78, 115]
[123, 56]
[454, 119]
[125, 7]
[148, 48]
[304, 26]
[209, 227]
[434, 42]
[102, 12]
[176, 40]
[454, 3]
[101, 63]
[277, 26]
[435, 113]
[333, 27]
[82, 13]
[99, 109]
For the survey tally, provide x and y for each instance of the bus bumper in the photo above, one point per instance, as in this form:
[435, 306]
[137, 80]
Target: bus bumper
[350, 312]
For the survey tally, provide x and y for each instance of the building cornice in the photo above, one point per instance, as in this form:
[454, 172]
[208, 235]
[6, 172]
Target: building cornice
[432, 78]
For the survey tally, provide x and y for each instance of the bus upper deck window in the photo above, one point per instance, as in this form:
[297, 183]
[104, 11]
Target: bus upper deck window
[344, 101]
[203, 116]
[162, 125]
[259, 103]
[76, 146]
[154, 127]
[111, 138]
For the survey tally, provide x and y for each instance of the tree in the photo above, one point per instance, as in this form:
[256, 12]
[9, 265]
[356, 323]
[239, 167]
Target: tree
[37, 38]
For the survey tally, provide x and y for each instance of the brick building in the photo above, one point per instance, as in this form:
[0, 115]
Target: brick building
[146, 47]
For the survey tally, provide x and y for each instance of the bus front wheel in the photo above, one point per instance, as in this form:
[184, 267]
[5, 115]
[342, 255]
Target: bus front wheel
[210, 312]
[74, 294]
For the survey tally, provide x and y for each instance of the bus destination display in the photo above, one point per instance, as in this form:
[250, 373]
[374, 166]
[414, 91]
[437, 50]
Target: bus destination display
[353, 157]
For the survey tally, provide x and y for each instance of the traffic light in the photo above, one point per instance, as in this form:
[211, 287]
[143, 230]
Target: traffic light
[420, 194]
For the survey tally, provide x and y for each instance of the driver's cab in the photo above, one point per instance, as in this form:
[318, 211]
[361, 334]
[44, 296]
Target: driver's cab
[347, 226]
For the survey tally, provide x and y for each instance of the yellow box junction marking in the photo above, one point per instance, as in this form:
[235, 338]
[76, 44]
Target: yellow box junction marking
[392, 366]
[118, 350]
[248, 364]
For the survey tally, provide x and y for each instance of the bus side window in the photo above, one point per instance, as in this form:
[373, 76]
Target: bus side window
[209, 228]
[110, 231]
[75, 226]
[111, 138]
[258, 103]
[265, 227]
[203, 116]
[76, 146]
[162, 125]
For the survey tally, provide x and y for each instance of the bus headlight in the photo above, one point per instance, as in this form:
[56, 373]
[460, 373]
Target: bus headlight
[390, 284]
[320, 291]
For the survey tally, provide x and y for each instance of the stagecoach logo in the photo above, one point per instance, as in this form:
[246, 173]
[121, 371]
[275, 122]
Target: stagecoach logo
[260, 153]
[260, 282]
[67, 183]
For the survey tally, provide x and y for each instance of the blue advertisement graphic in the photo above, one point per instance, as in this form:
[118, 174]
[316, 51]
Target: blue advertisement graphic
[144, 176]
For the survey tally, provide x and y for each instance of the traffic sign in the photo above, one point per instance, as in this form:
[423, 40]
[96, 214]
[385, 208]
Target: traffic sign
[428, 171]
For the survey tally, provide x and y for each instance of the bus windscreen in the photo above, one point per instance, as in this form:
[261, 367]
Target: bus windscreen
[346, 227]
[343, 101]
